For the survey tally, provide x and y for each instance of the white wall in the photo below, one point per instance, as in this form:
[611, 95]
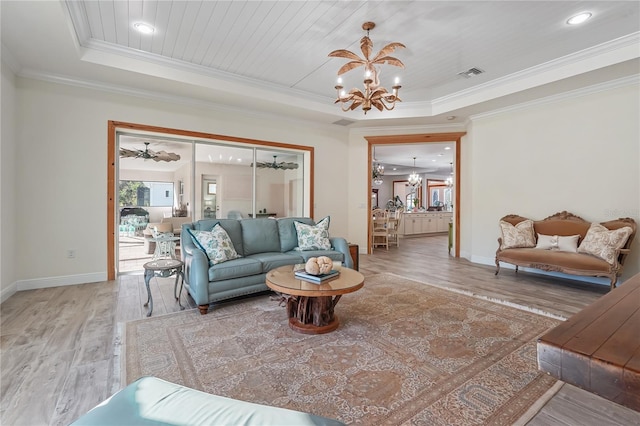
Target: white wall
[8, 273]
[579, 154]
[61, 182]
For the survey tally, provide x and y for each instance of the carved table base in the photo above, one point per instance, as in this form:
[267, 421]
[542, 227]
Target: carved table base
[312, 315]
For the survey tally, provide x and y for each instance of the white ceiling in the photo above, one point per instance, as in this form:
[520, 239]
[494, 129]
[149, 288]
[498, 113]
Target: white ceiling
[270, 57]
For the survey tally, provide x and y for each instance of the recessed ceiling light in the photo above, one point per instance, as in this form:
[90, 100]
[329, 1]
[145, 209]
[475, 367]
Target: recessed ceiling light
[447, 147]
[579, 18]
[144, 28]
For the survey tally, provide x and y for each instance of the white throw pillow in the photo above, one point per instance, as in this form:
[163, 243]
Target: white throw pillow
[215, 244]
[313, 237]
[604, 243]
[558, 242]
[520, 235]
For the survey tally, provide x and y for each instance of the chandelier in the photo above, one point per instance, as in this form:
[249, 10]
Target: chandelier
[449, 180]
[377, 170]
[374, 94]
[414, 178]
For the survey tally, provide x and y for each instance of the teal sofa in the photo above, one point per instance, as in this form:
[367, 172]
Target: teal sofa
[264, 244]
[150, 401]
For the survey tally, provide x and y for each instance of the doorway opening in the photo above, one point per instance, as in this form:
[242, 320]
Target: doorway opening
[419, 190]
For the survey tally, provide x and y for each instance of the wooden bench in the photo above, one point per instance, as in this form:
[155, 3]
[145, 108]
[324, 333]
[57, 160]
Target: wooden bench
[598, 349]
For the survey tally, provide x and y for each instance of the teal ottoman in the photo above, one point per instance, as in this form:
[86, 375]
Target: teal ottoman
[152, 401]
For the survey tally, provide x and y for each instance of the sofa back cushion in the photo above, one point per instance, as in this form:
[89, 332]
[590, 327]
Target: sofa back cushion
[259, 235]
[232, 226]
[287, 231]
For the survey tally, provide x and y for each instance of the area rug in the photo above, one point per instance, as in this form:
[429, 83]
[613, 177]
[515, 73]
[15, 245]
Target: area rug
[405, 353]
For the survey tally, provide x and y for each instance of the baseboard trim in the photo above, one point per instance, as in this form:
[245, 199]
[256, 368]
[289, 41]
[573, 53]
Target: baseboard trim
[37, 283]
[8, 292]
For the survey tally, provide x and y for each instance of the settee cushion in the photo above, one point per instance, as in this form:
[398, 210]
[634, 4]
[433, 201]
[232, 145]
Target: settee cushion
[554, 258]
[236, 268]
[519, 235]
[260, 236]
[287, 231]
[603, 242]
[313, 237]
[272, 260]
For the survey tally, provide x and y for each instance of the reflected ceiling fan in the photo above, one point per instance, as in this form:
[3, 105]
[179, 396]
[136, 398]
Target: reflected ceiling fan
[147, 154]
[275, 165]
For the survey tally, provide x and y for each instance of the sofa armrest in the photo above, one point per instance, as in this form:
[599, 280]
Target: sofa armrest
[196, 269]
[341, 245]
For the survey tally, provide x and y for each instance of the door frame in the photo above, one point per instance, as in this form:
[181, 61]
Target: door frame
[454, 137]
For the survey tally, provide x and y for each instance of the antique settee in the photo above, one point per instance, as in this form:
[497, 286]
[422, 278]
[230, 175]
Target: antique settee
[566, 243]
[261, 244]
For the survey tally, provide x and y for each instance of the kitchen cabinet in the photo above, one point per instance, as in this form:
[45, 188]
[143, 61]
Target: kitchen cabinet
[425, 223]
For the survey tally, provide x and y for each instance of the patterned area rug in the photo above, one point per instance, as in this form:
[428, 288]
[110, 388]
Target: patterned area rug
[405, 353]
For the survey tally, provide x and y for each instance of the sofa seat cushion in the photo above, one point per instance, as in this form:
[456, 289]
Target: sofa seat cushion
[559, 259]
[331, 254]
[152, 401]
[235, 268]
[273, 260]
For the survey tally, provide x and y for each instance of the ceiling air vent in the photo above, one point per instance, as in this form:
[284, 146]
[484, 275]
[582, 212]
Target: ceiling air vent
[343, 122]
[470, 72]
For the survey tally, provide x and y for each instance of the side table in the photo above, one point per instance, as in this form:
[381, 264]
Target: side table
[163, 268]
[355, 255]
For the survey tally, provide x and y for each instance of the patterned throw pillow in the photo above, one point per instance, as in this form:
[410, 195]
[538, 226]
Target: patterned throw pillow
[313, 237]
[520, 235]
[604, 243]
[215, 244]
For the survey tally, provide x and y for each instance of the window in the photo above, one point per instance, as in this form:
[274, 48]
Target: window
[145, 194]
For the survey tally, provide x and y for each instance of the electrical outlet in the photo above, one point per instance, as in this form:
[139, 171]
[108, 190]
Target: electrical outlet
[71, 254]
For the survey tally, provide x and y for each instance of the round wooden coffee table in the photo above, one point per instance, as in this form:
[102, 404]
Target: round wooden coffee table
[310, 306]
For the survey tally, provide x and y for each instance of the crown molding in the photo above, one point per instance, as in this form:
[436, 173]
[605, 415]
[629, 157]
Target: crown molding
[572, 94]
[171, 99]
[600, 56]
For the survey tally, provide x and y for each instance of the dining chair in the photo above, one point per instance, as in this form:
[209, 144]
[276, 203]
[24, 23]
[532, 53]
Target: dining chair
[392, 228]
[380, 228]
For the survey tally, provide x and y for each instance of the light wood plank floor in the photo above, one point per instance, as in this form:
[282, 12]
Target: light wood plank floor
[59, 346]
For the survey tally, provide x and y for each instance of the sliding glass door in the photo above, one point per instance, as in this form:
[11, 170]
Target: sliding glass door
[163, 177]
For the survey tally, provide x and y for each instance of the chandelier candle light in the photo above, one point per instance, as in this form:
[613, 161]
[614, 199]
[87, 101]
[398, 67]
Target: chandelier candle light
[374, 94]
[414, 178]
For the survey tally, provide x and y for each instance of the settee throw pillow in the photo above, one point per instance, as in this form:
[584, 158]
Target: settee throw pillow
[558, 242]
[216, 244]
[604, 243]
[313, 237]
[520, 235]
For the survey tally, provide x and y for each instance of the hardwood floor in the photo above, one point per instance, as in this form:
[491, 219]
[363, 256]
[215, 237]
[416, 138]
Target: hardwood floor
[60, 346]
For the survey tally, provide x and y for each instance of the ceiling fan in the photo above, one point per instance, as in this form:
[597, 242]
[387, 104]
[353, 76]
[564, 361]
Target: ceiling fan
[275, 165]
[147, 154]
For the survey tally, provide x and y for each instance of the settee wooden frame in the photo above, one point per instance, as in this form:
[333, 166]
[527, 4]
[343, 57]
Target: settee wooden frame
[612, 271]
